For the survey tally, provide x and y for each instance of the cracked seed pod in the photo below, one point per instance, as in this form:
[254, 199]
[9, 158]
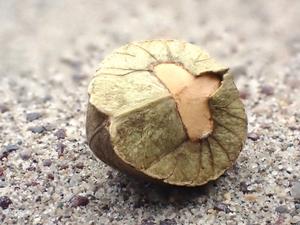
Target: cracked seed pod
[166, 111]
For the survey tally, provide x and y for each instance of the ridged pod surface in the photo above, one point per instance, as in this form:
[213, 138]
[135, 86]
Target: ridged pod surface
[138, 123]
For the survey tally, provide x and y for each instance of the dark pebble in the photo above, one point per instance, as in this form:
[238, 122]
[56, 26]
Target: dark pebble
[109, 174]
[3, 108]
[63, 166]
[5, 202]
[37, 129]
[7, 150]
[60, 149]
[253, 136]
[244, 187]
[60, 134]
[79, 200]
[168, 222]
[105, 207]
[148, 221]
[125, 196]
[222, 207]
[139, 203]
[25, 155]
[32, 184]
[33, 116]
[265, 126]
[267, 90]
[282, 209]
[293, 127]
[79, 165]
[1, 171]
[47, 162]
[11, 147]
[31, 168]
[38, 199]
[50, 176]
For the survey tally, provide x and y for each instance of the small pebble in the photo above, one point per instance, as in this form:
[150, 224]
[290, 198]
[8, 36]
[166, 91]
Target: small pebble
[79, 200]
[265, 126]
[222, 207]
[25, 155]
[37, 129]
[148, 221]
[296, 190]
[2, 184]
[282, 209]
[3, 108]
[1, 171]
[79, 165]
[267, 90]
[60, 134]
[5, 202]
[32, 183]
[60, 149]
[253, 136]
[50, 176]
[244, 187]
[33, 116]
[250, 197]
[38, 199]
[47, 162]
[49, 127]
[293, 127]
[11, 147]
[7, 150]
[105, 207]
[63, 166]
[167, 222]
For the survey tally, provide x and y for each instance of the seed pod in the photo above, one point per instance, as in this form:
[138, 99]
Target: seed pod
[166, 111]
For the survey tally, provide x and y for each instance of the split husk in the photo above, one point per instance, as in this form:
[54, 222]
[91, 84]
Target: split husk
[137, 124]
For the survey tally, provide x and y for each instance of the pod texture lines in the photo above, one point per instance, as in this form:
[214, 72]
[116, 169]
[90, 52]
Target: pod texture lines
[133, 124]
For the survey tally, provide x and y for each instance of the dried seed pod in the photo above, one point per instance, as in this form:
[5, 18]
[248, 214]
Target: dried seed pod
[164, 110]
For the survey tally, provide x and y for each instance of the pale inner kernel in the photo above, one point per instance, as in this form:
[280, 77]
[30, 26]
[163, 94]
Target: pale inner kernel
[191, 95]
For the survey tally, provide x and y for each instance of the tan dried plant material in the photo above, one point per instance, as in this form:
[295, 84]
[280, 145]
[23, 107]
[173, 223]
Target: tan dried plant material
[164, 110]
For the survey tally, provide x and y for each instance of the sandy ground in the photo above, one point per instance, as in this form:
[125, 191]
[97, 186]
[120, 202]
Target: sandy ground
[48, 52]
